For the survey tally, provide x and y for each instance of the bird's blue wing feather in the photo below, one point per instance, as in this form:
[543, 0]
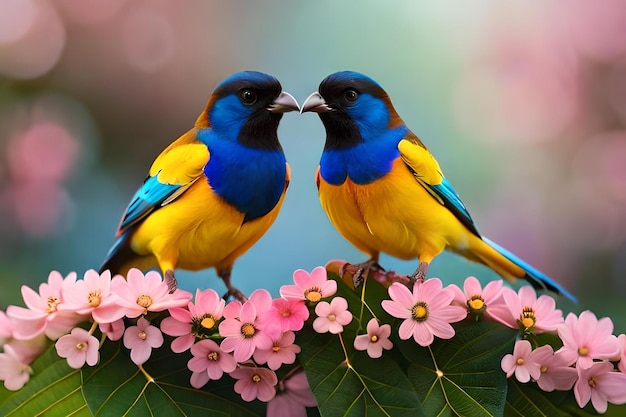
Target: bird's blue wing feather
[452, 201]
[537, 278]
[147, 198]
[427, 172]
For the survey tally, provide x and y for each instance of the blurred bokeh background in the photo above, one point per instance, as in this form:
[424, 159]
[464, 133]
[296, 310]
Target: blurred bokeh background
[523, 104]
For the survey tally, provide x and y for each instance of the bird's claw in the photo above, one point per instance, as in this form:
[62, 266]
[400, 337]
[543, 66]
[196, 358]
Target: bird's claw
[360, 272]
[170, 280]
[236, 294]
[419, 274]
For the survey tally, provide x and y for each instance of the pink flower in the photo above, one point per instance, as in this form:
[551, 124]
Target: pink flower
[282, 351]
[31, 349]
[426, 311]
[556, 372]
[198, 321]
[291, 314]
[332, 317]
[529, 313]
[254, 383]
[523, 361]
[41, 314]
[242, 330]
[91, 295]
[376, 339]
[115, 330]
[311, 287]
[586, 338]
[6, 328]
[481, 301]
[138, 294]
[600, 384]
[209, 362]
[294, 395]
[78, 347]
[13, 370]
[621, 356]
[140, 339]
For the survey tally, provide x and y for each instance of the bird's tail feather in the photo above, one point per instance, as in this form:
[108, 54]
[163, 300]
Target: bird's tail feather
[121, 258]
[500, 260]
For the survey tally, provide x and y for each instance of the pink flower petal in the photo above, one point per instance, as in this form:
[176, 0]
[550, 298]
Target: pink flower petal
[401, 295]
[199, 379]
[396, 309]
[140, 353]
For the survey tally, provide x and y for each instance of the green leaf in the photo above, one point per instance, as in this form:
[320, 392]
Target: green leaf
[462, 376]
[528, 400]
[53, 390]
[117, 387]
[359, 386]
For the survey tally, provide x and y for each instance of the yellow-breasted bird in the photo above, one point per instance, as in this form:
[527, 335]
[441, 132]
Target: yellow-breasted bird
[211, 194]
[385, 192]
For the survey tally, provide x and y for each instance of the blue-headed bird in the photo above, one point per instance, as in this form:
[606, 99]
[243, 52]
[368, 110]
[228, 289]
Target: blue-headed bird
[385, 192]
[211, 194]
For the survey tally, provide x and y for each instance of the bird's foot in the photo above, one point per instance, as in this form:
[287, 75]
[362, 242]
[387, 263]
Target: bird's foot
[420, 273]
[170, 280]
[235, 293]
[360, 271]
[230, 290]
[389, 277]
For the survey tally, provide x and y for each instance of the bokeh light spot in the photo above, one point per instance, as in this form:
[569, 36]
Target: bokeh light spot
[39, 49]
[16, 18]
[598, 30]
[41, 208]
[90, 12]
[148, 40]
[44, 151]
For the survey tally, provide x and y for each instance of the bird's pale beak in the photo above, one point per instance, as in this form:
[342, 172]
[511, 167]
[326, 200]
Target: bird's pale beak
[315, 103]
[284, 103]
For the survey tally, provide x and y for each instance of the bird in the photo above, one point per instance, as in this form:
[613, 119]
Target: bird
[384, 191]
[212, 193]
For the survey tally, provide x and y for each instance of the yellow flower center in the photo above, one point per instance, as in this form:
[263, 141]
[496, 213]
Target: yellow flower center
[476, 303]
[248, 330]
[275, 348]
[519, 361]
[592, 381]
[53, 302]
[419, 312]
[144, 300]
[94, 298]
[208, 322]
[374, 338]
[583, 351]
[256, 378]
[313, 294]
[142, 335]
[80, 346]
[285, 312]
[527, 318]
[543, 369]
[331, 317]
[213, 356]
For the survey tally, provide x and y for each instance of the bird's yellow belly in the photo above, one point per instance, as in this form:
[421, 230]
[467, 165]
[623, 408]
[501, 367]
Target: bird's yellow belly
[199, 231]
[394, 214]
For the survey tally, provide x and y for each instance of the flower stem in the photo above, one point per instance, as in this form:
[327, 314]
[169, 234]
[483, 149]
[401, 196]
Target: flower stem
[364, 303]
[94, 325]
[145, 373]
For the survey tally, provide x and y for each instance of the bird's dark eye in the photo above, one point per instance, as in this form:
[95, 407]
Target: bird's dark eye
[247, 96]
[351, 95]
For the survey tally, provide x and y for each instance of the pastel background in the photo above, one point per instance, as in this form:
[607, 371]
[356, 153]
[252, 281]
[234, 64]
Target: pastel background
[523, 104]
